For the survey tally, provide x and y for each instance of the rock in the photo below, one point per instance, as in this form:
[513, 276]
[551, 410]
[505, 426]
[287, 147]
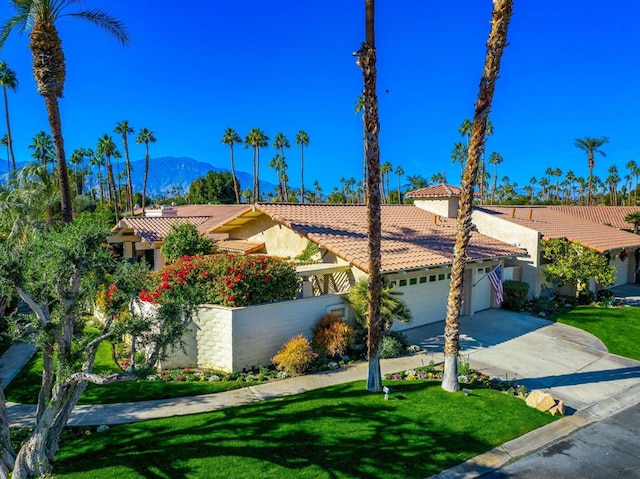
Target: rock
[540, 400]
[557, 409]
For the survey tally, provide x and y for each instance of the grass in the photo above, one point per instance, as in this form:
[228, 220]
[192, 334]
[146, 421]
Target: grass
[617, 328]
[26, 385]
[336, 432]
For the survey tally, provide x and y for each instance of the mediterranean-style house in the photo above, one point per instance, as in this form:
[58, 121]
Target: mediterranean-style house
[601, 228]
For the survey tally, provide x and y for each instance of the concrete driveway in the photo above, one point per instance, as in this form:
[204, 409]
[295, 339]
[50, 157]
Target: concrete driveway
[567, 362]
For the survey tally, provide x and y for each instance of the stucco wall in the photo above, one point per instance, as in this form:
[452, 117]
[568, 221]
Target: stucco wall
[278, 239]
[235, 339]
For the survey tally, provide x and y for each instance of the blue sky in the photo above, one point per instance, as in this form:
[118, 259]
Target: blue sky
[572, 69]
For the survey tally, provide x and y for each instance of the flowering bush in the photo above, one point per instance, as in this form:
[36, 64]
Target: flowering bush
[295, 356]
[228, 280]
[331, 336]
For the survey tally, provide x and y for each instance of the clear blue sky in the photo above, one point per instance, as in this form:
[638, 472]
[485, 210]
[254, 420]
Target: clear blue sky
[572, 69]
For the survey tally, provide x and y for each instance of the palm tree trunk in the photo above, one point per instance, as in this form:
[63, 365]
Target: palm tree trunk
[53, 114]
[128, 169]
[233, 174]
[495, 46]
[144, 178]
[302, 174]
[9, 137]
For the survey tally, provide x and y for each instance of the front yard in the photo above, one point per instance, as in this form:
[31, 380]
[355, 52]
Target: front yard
[336, 432]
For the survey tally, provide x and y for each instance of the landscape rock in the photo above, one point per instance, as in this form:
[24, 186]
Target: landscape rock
[540, 400]
[557, 409]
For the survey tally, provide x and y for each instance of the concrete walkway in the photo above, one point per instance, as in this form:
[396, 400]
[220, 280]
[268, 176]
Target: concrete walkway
[567, 362]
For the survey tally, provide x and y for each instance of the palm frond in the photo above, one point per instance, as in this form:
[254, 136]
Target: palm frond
[20, 20]
[105, 21]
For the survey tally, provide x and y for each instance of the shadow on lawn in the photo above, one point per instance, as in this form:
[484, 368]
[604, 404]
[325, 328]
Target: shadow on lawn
[368, 438]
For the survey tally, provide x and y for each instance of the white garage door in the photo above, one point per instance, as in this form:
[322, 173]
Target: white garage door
[622, 270]
[426, 296]
[482, 289]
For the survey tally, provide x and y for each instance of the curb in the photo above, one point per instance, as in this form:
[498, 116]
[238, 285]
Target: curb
[537, 439]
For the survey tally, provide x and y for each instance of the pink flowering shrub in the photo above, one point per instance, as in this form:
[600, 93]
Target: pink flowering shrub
[228, 280]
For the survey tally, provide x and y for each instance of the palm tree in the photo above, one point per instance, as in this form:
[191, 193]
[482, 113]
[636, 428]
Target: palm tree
[494, 159]
[4, 141]
[367, 62]
[399, 171]
[438, 178]
[108, 148]
[9, 80]
[416, 182]
[360, 108]
[230, 138]
[392, 307]
[145, 136]
[495, 46]
[42, 146]
[385, 169]
[302, 140]
[612, 181]
[557, 172]
[124, 129]
[459, 155]
[633, 218]
[277, 163]
[634, 171]
[591, 146]
[97, 160]
[256, 139]
[77, 158]
[280, 142]
[40, 17]
[483, 174]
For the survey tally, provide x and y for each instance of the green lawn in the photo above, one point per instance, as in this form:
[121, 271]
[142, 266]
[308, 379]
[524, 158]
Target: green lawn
[24, 388]
[617, 328]
[336, 432]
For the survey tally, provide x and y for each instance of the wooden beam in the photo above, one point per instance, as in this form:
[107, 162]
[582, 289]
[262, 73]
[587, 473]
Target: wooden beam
[123, 239]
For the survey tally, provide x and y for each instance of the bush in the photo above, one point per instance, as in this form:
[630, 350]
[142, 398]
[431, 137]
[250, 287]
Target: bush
[331, 336]
[515, 295]
[605, 295]
[295, 356]
[585, 296]
[184, 239]
[393, 344]
[228, 280]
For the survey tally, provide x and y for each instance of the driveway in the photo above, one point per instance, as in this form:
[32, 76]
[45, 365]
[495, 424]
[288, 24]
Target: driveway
[567, 362]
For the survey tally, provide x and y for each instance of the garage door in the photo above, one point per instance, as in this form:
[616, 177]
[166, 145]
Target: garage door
[622, 270]
[481, 289]
[426, 296]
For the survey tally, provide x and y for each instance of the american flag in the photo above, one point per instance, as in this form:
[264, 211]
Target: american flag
[495, 278]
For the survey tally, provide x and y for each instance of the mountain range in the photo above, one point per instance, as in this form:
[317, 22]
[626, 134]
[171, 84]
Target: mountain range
[168, 172]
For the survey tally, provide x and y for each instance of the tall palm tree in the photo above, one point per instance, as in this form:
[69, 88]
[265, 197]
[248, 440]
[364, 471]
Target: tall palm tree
[360, 108]
[124, 130]
[8, 80]
[280, 142]
[302, 140]
[591, 146]
[385, 169]
[459, 155]
[39, 18]
[108, 148]
[557, 172]
[97, 160]
[4, 141]
[634, 171]
[145, 136]
[277, 163]
[416, 182]
[495, 46]
[230, 138]
[399, 171]
[367, 62]
[494, 159]
[77, 158]
[612, 182]
[256, 139]
[482, 175]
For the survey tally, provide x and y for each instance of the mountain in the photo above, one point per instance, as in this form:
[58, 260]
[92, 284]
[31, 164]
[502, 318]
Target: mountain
[167, 172]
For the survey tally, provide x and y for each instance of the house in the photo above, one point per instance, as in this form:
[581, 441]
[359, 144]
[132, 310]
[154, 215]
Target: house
[526, 226]
[142, 237]
[417, 251]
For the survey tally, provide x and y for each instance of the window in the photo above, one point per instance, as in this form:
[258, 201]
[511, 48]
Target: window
[487, 270]
[441, 277]
[423, 279]
[432, 278]
[413, 281]
[393, 284]
[403, 282]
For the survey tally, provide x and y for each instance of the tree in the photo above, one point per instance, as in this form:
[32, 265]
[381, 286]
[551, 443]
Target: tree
[8, 80]
[42, 146]
[399, 171]
[574, 263]
[256, 139]
[591, 146]
[501, 17]
[557, 172]
[280, 142]
[634, 219]
[230, 138]
[145, 136]
[416, 182]
[483, 174]
[40, 17]
[634, 172]
[108, 148]
[459, 155]
[184, 239]
[495, 159]
[77, 158]
[367, 62]
[56, 273]
[392, 308]
[302, 140]
[124, 129]
[278, 164]
[360, 108]
[612, 183]
[214, 188]
[385, 169]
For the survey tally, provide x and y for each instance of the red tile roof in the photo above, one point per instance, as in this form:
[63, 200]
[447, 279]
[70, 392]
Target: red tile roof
[411, 238]
[436, 191]
[604, 215]
[553, 222]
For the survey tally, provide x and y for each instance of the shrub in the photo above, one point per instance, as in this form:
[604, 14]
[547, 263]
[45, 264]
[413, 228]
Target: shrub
[605, 295]
[393, 344]
[515, 295]
[295, 356]
[585, 296]
[228, 280]
[184, 239]
[331, 336]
